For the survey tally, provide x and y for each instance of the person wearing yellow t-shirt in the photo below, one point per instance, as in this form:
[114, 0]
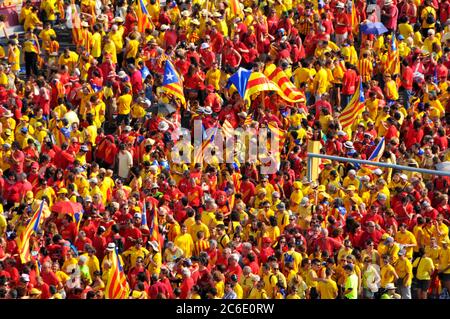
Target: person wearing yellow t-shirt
[131, 49]
[116, 37]
[110, 48]
[444, 264]
[45, 36]
[124, 106]
[70, 59]
[213, 76]
[387, 272]
[32, 50]
[96, 50]
[14, 55]
[32, 20]
[390, 90]
[403, 268]
[184, 242]
[405, 238]
[320, 81]
[425, 268]
[428, 16]
[327, 287]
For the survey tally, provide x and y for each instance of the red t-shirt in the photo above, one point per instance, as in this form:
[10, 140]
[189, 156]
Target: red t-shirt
[349, 82]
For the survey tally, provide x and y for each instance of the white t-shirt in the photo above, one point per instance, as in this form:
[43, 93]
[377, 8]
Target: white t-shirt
[125, 162]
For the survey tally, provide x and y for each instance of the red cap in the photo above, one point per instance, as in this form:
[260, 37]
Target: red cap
[35, 165]
[209, 87]
[266, 240]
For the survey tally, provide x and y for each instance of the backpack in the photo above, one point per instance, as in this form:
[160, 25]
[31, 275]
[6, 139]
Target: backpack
[288, 258]
[430, 18]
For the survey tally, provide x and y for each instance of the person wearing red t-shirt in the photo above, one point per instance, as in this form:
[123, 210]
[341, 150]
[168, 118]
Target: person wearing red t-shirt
[233, 267]
[68, 229]
[49, 276]
[407, 82]
[349, 83]
[81, 241]
[341, 24]
[207, 56]
[186, 284]
[195, 194]
[212, 99]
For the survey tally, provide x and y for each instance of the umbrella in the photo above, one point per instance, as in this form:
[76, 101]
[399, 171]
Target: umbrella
[376, 28]
[67, 207]
[163, 109]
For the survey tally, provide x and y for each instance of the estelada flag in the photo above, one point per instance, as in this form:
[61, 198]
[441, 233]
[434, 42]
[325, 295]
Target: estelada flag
[287, 88]
[172, 83]
[117, 285]
[354, 108]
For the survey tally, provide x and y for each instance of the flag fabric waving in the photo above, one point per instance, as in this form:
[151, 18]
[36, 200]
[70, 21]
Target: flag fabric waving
[198, 156]
[376, 155]
[354, 18]
[227, 129]
[154, 227]
[393, 59]
[248, 83]
[117, 286]
[354, 108]
[144, 216]
[172, 83]
[235, 8]
[23, 240]
[76, 25]
[143, 16]
[287, 88]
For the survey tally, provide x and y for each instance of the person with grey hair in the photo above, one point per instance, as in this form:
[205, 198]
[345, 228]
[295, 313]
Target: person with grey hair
[186, 284]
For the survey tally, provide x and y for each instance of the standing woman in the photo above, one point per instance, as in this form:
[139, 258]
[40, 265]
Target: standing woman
[14, 56]
[423, 268]
[32, 50]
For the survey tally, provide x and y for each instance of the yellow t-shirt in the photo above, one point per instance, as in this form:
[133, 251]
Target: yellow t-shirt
[124, 104]
[328, 290]
[96, 49]
[387, 275]
[425, 268]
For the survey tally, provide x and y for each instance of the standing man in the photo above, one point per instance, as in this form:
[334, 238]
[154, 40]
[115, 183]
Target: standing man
[351, 283]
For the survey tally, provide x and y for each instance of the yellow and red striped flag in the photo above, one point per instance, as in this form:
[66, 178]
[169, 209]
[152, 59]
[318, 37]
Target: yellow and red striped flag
[235, 8]
[393, 58]
[76, 25]
[257, 83]
[354, 108]
[143, 16]
[23, 240]
[227, 129]
[287, 89]
[354, 19]
[198, 156]
[154, 226]
[277, 132]
[248, 120]
[117, 285]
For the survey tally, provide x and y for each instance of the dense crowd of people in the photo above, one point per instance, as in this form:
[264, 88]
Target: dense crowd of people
[88, 121]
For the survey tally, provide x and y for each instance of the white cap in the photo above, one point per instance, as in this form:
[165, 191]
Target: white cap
[348, 144]
[164, 27]
[207, 110]
[404, 177]
[378, 172]
[204, 46]
[111, 246]
[163, 126]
